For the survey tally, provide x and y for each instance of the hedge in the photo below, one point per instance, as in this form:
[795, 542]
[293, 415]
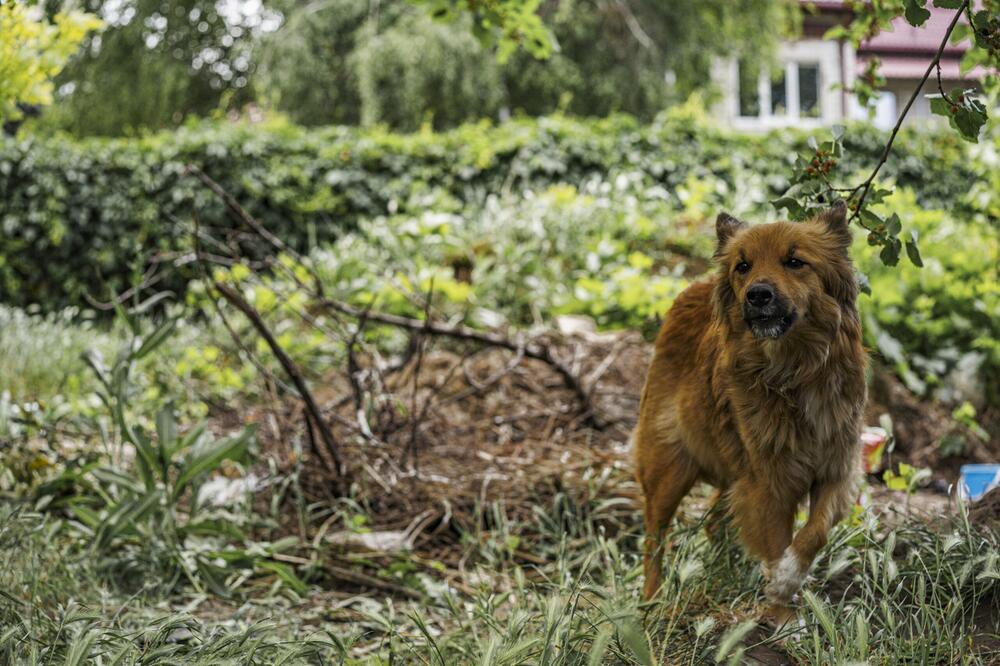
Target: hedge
[85, 216]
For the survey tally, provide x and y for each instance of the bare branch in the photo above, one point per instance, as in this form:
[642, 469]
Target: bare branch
[290, 367]
[460, 332]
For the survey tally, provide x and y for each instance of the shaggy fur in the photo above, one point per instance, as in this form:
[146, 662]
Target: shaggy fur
[757, 387]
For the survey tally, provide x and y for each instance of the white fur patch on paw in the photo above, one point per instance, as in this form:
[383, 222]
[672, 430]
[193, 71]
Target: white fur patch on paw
[786, 577]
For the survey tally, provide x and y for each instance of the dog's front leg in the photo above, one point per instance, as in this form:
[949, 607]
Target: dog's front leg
[828, 502]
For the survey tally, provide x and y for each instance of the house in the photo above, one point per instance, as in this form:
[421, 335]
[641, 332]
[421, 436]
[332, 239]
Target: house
[813, 87]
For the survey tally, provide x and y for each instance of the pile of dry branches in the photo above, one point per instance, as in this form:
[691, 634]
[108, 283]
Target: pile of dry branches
[463, 417]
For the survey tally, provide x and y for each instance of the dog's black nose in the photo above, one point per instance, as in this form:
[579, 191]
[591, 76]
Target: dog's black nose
[760, 295]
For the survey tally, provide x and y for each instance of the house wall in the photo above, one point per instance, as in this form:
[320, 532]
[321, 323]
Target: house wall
[895, 94]
[827, 55]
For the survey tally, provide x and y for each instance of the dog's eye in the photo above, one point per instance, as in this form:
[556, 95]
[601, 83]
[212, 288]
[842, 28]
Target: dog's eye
[792, 262]
[743, 267]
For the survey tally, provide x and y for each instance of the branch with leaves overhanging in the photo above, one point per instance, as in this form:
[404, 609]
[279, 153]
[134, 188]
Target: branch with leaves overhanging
[813, 187]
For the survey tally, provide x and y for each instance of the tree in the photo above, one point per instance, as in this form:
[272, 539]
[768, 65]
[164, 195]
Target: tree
[33, 50]
[158, 62]
[354, 60]
[639, 56]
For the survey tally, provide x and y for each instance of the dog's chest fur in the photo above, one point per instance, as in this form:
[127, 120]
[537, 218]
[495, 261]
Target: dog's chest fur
[796, 415]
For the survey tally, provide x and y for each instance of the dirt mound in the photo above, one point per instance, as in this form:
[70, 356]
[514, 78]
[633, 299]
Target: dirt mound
[449, 431]
[925, 432]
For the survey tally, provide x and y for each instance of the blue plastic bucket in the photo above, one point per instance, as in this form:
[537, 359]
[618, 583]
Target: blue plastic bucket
[976, 480]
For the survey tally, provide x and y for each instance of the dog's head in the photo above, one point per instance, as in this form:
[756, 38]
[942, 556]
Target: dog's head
[777, 278]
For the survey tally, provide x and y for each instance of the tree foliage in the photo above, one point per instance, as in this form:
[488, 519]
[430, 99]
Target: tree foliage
[33, 50]
[337, 61]
[638, 56]
[340, 61]
[507, 24]
[158, 62]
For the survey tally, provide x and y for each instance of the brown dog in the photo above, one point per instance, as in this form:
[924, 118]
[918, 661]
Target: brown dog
[757, 387]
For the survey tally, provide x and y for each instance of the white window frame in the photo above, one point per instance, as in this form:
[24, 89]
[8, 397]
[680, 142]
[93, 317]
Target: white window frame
[825, 54]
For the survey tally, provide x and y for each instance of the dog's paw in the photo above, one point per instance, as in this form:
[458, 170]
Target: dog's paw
[785, 577]
[779, 619]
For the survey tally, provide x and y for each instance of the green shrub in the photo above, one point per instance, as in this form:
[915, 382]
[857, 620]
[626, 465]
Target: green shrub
[943, 320]
[85, 217]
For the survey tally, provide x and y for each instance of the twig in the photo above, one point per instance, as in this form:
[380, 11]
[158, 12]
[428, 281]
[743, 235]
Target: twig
[865, 186]
[365, 580]
[251, 222]
[149, 278]
[460, 332]
[290, 367]
[633, 25]
[940, 85]
[411, 449]
[222, 315]
[599, 371]
[354, 375]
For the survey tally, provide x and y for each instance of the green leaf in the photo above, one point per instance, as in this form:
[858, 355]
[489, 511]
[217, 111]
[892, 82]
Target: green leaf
[795, 209]
[112, 476]
[890, 252]
[191, 438]
[166, 433]
[965, 113]
[79, 653]
[822, 614]
[146, 457]
[915, 13]
[155, 339]
[948, 4]
[208, 459]
[870, 219]
[286, 574]
[981, 20]
[877, 195]
[893, 226]
[940, 106]
[912, 251]
[599, 647]
[85, 515]
[969, 120]
[124, 518]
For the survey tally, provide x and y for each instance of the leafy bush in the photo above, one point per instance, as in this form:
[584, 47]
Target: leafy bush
[144, 510]
[940, 322]
[621, 256]
[86, 217]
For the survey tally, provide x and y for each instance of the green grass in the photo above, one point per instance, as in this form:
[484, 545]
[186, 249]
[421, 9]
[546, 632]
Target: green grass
[911, 595]
[40, 355]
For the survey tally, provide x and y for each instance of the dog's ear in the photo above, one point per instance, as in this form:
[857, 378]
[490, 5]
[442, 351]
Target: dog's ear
[725, 227]
[835, 221]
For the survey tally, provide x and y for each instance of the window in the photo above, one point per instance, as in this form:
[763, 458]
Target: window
[809, 90]
[779, 94]
[749, 90]
[794, 91]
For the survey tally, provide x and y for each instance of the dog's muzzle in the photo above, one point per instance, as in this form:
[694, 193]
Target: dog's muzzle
[766, 313]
